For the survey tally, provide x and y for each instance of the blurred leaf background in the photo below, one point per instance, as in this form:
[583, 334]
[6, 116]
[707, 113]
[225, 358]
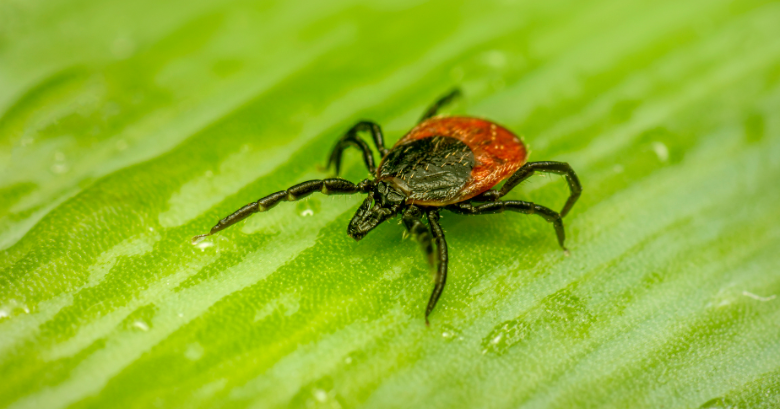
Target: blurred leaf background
[128, 127]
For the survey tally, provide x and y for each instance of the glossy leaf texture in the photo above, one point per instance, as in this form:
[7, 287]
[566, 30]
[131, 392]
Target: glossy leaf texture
[126, 127]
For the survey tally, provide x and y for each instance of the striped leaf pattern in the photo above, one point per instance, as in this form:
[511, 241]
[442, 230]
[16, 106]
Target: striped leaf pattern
[128, 127]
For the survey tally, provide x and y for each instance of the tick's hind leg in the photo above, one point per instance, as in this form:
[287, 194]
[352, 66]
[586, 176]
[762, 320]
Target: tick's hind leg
[434, 108]
[515, 206]
[413, 222]
[560, 168]
[441, 268]
[351, 139]
[299, 191]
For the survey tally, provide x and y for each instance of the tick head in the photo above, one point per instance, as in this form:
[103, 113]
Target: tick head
[374, 211]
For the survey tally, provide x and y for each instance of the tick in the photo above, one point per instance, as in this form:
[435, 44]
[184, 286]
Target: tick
[451, 163]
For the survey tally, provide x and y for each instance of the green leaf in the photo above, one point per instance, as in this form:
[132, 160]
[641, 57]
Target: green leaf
[128, 127]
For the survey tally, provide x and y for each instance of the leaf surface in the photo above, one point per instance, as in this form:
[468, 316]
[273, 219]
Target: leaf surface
[128, 127]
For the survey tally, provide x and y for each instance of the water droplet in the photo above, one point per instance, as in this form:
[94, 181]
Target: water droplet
[320, 395]
[618, 168]
[141, 325]
[59, 166]
[348, 360]
[308, 207]
[505, 335]
[4, 313]
[203, 245]
[449, 333]
[661, 151]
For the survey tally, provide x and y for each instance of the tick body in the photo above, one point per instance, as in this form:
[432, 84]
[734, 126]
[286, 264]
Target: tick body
[449, 160]
[443, 163]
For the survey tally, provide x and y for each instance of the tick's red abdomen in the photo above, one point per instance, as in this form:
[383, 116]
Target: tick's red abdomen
[498, 153]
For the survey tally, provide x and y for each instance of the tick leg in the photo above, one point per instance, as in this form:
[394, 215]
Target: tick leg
[327, 186]
[412, 220]
[351, 139]
[515, 206]
[431, 111]
[441, 271]
[560, 168]
[488, 196]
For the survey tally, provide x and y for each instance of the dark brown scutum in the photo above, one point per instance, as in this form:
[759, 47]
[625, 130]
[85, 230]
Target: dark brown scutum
[429, 170]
